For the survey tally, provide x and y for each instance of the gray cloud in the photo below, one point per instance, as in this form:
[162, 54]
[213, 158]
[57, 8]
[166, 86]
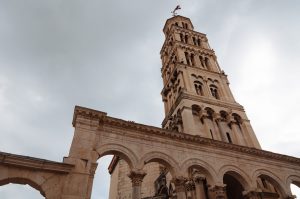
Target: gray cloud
[105, 55]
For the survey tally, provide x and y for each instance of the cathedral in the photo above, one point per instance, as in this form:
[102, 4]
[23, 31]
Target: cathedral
[206, 148]
[197, 101]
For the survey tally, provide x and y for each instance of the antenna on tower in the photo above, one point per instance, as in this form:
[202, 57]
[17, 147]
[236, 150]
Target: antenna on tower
[174, 11]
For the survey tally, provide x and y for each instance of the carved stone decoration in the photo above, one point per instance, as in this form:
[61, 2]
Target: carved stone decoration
[136, 177]
[179, 183]
[218, 192]
[189, 185]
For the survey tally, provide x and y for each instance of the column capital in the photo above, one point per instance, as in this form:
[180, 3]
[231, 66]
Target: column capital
[190, 185]
[179, 183]
[136, 177]
[198, 177]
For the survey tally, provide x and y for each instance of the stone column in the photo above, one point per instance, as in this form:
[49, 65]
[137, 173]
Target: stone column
[199, 184]
[180, 187]
[93, 168]
[190, 190]
[217, 192]
[136, 179]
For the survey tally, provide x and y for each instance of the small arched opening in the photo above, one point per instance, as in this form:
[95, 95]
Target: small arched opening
[269, 186]
[114, 163]
[234, 188]
[160, 169]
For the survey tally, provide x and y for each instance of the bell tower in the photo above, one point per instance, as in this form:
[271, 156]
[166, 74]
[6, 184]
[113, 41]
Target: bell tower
[196, 93]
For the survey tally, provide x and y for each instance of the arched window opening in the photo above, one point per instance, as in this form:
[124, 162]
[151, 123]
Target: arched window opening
[228, 137]
[210, 113]
[207, 64]
[199, 42]
[224, 115]
[234, 189]
[195, 109]
[186, 39]
[269, 186]
[214, 91]
[181, 37]
[176, 24]
[198, 87]
[187, 58]
[194, 41]
[192, 59]
[238, 120]
[202, 62]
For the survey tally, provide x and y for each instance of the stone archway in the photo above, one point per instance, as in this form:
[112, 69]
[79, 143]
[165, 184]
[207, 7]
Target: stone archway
[23, 181]
[270, 184]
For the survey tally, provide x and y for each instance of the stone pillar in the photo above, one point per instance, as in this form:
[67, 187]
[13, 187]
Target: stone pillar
[190, 190]
[199, 184]
[136, 179]
[217, 192]
[93, 168]
[179, 183]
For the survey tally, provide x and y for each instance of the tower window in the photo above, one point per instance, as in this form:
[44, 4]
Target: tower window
[181, 37]
[187, 58]
[186, 39]
[228, 137]
[194, 40]
[199, 42]
[192, 59]
[214, 91]
[198, 88]
[202, 62]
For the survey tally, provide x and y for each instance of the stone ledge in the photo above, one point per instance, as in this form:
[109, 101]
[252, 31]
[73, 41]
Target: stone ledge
[34, 163]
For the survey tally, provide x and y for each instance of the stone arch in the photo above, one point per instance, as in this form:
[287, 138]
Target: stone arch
[207, 168]
[237, 173]
[272, 178]
[292, 179]
[161, 158]
[23, 181]
[123, 152]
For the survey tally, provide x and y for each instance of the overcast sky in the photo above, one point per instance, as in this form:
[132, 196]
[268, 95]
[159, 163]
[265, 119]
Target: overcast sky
[104, 55]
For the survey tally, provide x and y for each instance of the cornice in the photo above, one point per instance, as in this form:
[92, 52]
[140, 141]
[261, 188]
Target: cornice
[34, 163]
[201, 99]
[192, 139]
[182, 137]
[87, 114]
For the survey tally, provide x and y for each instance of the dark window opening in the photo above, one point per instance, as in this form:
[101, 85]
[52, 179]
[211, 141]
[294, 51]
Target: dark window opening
[212, 136]
[228, 137]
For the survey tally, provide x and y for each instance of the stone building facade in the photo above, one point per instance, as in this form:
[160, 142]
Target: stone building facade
[205, 150]
[197, 101]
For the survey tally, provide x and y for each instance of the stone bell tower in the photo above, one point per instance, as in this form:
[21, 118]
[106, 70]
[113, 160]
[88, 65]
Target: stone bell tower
[196, 93]
[199, 103]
